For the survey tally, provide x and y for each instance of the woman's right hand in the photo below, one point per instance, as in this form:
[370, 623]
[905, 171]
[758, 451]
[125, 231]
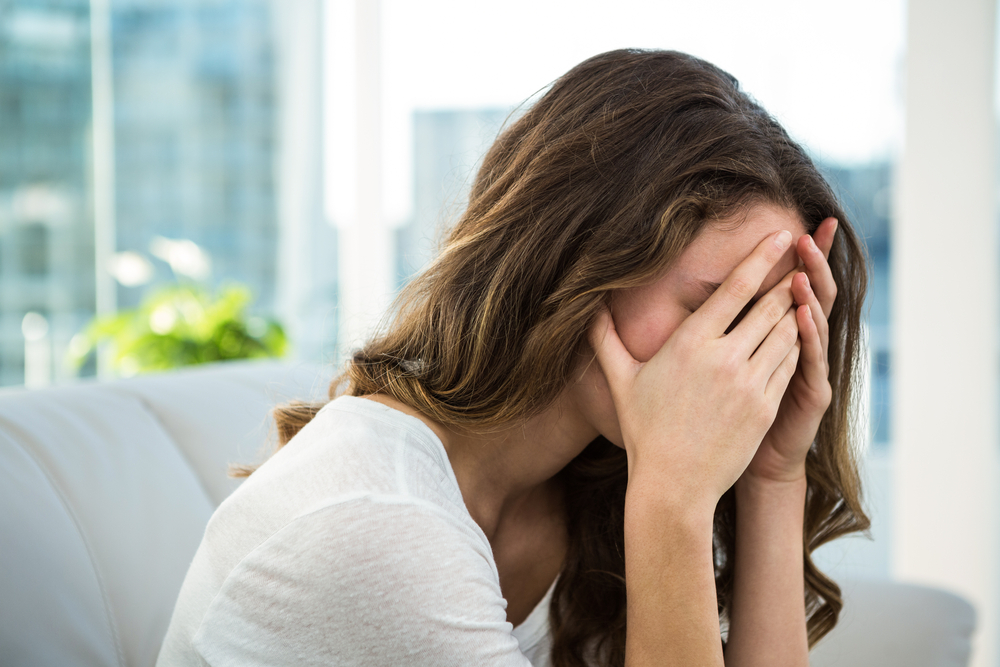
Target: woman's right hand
[695, 413]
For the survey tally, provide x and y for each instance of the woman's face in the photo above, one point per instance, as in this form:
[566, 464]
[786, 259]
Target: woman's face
[645, 317]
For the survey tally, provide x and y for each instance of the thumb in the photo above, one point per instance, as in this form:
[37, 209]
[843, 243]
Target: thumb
[615, 361]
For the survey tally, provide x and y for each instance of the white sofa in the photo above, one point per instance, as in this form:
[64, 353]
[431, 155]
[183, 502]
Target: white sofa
[105, 489]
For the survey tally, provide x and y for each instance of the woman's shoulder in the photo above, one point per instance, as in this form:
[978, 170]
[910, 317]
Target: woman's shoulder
[353, 448]
[355, 445]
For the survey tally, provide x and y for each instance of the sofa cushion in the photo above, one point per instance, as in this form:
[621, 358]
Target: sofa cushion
[101, 484]
[220, 414]
[106, 489]
[49, 580]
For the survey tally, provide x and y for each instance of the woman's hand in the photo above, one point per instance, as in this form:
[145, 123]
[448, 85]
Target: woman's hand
[782, 453]
[695, 413]
[767, 619]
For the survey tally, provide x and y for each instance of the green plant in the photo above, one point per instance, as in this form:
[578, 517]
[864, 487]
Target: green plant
[181, 325]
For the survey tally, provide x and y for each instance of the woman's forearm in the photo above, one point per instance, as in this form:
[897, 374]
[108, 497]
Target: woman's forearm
[672, 611]
[767, 618]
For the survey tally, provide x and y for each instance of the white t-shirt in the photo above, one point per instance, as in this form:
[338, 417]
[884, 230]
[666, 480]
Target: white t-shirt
[350, 546]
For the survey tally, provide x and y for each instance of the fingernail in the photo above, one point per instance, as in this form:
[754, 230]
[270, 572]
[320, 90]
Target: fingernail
[836, 224]
[812, 243]
[808, 284]
[809, 312]
[783, 239]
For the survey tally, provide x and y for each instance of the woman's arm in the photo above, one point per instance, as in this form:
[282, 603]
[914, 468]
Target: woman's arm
[767, 619]
[692, 417]
[673, 617]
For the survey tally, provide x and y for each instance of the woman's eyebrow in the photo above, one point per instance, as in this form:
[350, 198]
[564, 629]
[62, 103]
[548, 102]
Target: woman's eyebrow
[708, 287]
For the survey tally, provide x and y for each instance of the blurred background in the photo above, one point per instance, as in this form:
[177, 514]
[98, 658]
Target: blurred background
[189, 180]
[147, 143]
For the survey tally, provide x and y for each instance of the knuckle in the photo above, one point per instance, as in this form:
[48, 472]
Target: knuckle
[741, 288]
[825, 396]
[747, 388]
[728, 364]
[772, 309]
[786, 335]
[819, 399]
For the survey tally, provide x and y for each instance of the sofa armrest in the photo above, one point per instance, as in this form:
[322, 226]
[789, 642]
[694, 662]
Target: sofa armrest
[889, 624]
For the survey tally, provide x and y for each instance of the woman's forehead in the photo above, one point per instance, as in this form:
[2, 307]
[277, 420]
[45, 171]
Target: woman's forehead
[720, 248]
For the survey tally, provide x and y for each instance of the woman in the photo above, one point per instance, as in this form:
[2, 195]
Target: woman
[623, 391]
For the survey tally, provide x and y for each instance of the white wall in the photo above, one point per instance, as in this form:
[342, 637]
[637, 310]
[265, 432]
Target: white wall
[945, 314]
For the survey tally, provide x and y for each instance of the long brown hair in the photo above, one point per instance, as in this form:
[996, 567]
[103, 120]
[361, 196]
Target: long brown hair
[598, 187]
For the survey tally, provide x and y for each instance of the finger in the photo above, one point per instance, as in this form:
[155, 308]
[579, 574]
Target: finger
[715, 316]
[783, 337]
[813, 355]
[615, 361]
[782, 375]
[818, 270]
[765, 314]
[804, 295]
[824, 235]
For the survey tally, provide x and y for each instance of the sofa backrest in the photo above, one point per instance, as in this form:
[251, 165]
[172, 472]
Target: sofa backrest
[105, 490]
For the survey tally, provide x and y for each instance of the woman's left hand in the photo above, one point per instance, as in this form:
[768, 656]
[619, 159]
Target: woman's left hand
[782, 453]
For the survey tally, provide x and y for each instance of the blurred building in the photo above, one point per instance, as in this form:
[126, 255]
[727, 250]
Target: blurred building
[195, 135]
[448, 147]
[195, 108]
[46, 233]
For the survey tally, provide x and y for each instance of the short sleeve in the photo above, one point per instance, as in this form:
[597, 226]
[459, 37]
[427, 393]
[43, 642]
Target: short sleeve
[371, 581]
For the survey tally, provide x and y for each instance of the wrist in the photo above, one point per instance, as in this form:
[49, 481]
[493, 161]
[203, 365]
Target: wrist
[752, 489]
[776, 463]
[654, 501]
[649, 492]
[670, 577]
